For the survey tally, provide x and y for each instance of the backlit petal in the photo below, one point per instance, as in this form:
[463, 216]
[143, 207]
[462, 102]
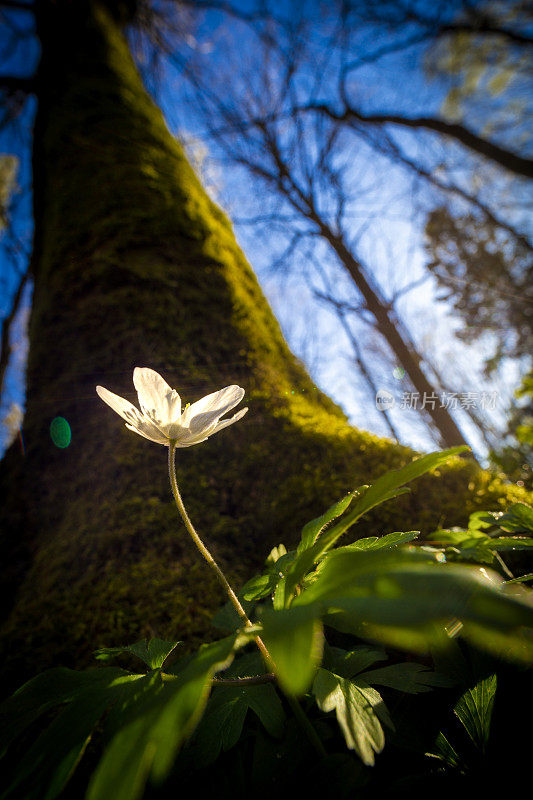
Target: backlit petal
[206, 412]
[161, 420]
[174, 431]
[190, 442]
[161, 403]
[123, 407]
[153, 435]
[225, 422]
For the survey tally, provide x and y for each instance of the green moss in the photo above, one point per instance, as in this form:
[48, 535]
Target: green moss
[134, 265]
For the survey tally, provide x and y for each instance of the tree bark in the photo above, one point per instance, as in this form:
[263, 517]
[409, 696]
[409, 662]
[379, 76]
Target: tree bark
[388, 327]
[133, 265]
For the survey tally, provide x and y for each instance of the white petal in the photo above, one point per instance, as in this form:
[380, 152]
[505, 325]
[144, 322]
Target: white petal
[204, 435]
[225, 422]
[149, 428]
[156, 437]
[123, 407]
[231, 394]
[206, 412]
[161, 403]
[192, 441]
[174, 431]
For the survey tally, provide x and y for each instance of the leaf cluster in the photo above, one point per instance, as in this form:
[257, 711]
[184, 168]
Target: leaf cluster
[489, 533]
[325, 613]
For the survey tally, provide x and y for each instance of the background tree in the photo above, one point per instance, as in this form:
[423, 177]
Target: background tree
[514, 455]
[346, 50]
[313, 96]
[133, 264]
[487, 278]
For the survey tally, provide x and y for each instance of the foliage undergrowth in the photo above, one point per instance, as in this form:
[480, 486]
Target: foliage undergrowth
[388, 658]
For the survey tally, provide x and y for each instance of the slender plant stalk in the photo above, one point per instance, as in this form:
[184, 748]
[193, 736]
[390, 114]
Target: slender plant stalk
[503, 565]
[196, 539]
[267, 658]
[254, 680]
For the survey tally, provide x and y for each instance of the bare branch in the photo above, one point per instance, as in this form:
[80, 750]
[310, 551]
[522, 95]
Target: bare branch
[343, 307]
[397, 155]
[499, 155]
[485, 26]
[409, 287]
[5, 345]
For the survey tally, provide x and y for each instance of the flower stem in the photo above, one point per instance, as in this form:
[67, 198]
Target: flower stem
[267, 658]
[196, 539]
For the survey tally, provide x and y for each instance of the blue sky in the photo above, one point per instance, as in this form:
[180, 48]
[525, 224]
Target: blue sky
[390, 241]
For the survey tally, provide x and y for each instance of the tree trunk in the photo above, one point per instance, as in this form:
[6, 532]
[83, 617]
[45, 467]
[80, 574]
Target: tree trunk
[134, 265]
[450, 433]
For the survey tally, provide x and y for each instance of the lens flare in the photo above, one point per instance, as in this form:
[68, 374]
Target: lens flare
[60, 432]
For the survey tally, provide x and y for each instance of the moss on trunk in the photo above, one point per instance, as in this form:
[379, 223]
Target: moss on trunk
[134, 265]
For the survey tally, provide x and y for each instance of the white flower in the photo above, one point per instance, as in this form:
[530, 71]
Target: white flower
[161, 419]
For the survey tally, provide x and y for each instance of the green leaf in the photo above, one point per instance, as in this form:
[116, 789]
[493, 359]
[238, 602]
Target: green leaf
[518, 518]
[349, 663]
[129, 696]
[265, 703]
[275, 554]
[481, 520]
[474, 710]
[456, 537]
[409, 591]
[386, 542]
[510, 644]
[167, 715]
[278, 600]
[221, 725]
[294, 640]
[510, 543]
[270, 582]
[311, 547]
[153, 652]
[476, 545]
[470, 545]
[358, 710]
[407, 677]
[356, 574]
[48, 764]
[313, 529]
[50, 761]
[445, 751]
[522, 578]
[258, 587]
[46, 691]
[410, 586]
[412, 638]
[385, 488]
